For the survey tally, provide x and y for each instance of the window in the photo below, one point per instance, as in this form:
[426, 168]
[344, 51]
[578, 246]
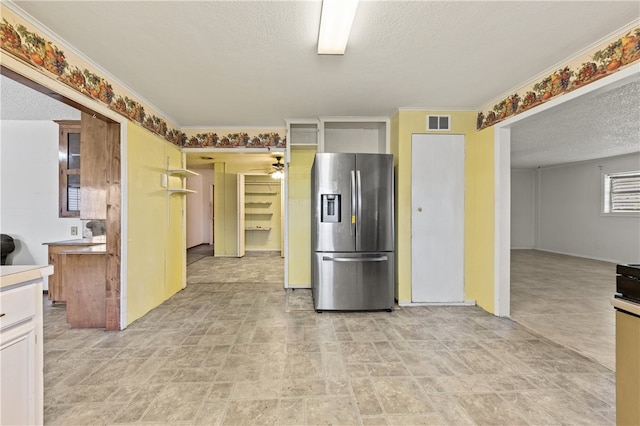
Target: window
[69, 176]
[622, 192]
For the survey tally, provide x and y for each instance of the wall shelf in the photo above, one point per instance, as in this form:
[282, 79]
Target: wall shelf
[181, 172]
[257, 229]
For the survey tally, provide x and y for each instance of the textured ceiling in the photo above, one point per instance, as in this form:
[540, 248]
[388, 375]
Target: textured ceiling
[603, 124]
[254, 63]
[217, 64]
[19, 102]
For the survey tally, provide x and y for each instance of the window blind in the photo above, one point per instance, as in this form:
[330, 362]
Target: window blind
[624, 192]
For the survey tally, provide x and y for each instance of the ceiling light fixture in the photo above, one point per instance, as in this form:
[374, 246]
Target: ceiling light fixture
[278, 174]
[335, 25]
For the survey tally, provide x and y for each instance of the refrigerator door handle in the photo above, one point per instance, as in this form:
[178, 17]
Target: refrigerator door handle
[358, 208]
[355, 259]
[354, 197]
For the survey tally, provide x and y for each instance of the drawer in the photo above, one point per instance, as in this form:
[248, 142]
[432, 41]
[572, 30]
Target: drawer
[16, 305]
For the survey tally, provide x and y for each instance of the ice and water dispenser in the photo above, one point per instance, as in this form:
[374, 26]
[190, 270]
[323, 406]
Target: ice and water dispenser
[330, 208]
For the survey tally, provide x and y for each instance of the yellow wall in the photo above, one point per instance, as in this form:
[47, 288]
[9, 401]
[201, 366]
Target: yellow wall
[299, 227]
[478, 201]
[479, 219]
[155, 241]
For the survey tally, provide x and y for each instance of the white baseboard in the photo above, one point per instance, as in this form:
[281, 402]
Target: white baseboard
[580, 255]
[465, 303]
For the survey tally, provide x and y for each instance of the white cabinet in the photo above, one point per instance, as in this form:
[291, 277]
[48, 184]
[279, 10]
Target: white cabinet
[354, 134]
[21, 346]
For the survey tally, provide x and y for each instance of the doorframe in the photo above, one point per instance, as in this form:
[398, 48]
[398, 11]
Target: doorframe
[116, 223]
[502, 182]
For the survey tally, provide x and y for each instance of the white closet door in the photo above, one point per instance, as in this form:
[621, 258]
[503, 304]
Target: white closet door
[437, 218]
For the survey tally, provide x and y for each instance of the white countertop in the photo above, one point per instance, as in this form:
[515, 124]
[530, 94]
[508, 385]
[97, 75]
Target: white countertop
[626, 305]
[15, 274]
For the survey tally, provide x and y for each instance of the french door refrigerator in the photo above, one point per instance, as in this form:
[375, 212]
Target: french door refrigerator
[352, 235]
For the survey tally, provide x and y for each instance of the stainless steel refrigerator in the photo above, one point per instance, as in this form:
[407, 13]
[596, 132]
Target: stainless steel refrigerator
[352, 235]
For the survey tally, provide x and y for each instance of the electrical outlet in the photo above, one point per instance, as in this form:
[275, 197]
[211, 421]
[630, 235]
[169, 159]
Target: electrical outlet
[74, 230]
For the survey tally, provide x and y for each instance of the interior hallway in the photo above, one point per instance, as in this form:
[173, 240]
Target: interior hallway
[234, 348]
[566, 299]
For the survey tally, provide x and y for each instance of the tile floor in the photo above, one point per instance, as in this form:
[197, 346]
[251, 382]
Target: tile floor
[234, 348]
[566, 299]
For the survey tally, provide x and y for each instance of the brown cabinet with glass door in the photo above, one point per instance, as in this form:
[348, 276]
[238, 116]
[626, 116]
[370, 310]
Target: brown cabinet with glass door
[69, 171]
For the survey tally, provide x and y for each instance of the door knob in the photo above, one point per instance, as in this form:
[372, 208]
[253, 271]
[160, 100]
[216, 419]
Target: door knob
[419, 209]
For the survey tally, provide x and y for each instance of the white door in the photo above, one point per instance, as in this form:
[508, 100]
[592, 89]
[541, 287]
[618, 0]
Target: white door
[241, 225]
[437, 218]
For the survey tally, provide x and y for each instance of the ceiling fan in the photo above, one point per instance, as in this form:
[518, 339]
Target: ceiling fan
[278, 169]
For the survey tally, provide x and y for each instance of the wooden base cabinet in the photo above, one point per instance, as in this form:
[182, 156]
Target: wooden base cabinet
[627, 363]
[84, 274]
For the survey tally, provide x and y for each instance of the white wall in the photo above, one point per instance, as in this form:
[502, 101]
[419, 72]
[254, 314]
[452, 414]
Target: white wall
[29, 190]
[569, 212]
[523, 185]
[199, 226]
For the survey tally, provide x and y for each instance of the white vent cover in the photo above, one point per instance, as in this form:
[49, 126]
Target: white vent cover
[439, 123]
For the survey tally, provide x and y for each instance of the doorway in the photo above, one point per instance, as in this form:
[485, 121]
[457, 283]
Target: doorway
[106, 184]
[259, 213]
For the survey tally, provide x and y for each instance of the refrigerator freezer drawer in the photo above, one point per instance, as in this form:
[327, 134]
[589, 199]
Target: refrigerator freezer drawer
[353, 281]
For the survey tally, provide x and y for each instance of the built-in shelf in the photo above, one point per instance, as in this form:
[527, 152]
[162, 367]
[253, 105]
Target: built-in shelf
[181, 172]
[260, 193]
[257, 203]
[257, 229]
[180, 191]
[259, 213]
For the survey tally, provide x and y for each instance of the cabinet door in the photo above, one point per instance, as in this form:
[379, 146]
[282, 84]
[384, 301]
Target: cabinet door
[93, 177]
[18, 375]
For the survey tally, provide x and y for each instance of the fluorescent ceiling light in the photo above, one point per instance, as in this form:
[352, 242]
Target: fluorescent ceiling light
[335, 26]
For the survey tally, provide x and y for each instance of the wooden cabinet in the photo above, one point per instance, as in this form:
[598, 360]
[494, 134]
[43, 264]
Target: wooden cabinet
[84, 272]
[627, 361]
[57, 291]
[93, 177]
[21, 349]
[69, 168]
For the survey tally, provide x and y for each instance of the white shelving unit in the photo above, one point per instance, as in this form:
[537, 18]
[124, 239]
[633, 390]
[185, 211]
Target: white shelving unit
[182, 173]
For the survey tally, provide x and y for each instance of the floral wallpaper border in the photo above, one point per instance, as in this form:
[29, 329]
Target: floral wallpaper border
[611, 58]
[44, 55]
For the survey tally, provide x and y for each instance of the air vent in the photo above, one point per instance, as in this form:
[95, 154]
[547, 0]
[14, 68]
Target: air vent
[439, 123]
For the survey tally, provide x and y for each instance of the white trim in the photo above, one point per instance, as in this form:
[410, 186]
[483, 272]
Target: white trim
[502, 223]
[582, 256]
[124, 223]
[411, 304]
[44, 30]
[502, 181]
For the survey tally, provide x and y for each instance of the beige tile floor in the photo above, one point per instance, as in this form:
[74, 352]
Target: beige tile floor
[567, 300]
[234, 348]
